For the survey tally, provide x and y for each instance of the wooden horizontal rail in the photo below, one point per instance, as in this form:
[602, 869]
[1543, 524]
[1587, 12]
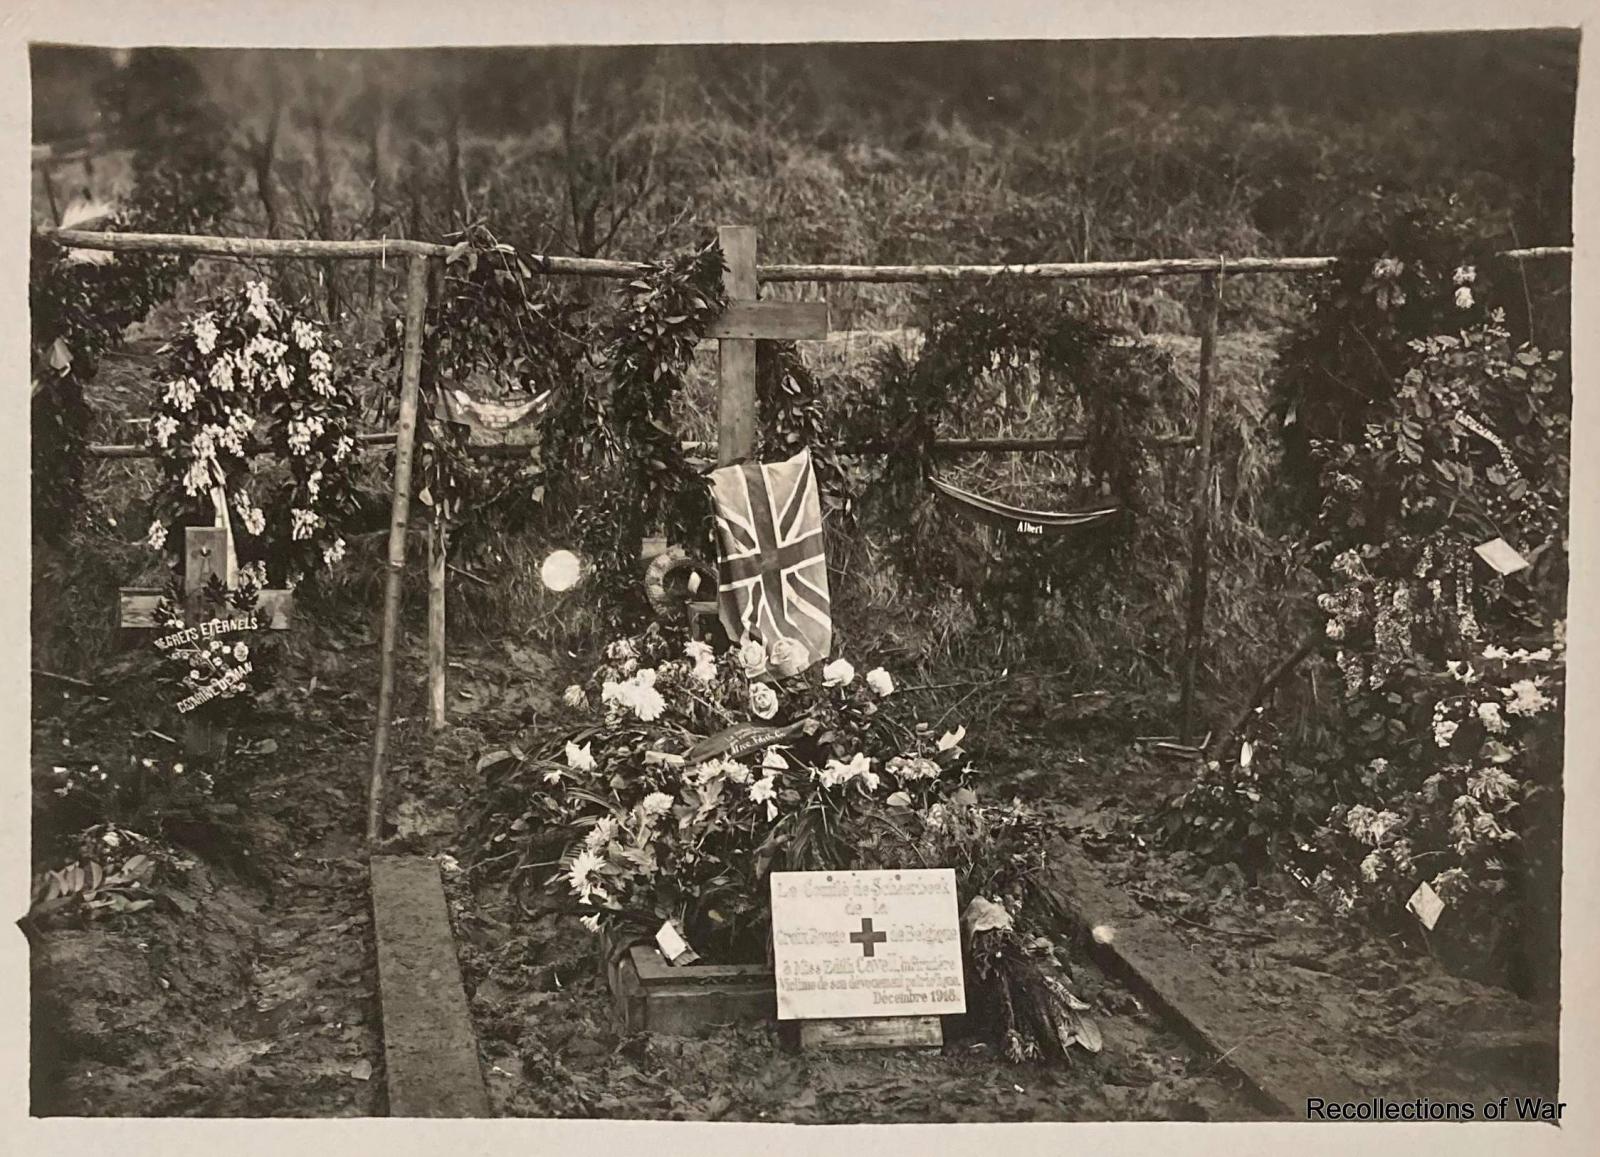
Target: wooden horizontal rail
[379, 250]
[252, 450]
[1007, 445]
[938, 446]
[367, 250]
[984, 445]
[1086, 270]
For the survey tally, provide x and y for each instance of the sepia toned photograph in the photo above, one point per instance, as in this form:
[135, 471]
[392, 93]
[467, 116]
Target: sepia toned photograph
[821, 583]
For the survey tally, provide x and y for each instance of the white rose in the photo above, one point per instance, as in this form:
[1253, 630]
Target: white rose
[838, 673]
[881, 683]
[763, 701]
[789, 656]
[751, 657]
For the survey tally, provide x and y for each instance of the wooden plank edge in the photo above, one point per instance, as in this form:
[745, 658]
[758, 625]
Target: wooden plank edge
[886, 1032]
[652, 969]
[430, 1044]
[1115, 956]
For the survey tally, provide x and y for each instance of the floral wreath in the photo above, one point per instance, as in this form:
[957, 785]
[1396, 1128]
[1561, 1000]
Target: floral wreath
[211, 668]
[246, 375]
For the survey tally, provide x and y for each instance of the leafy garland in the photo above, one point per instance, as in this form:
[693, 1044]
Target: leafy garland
[249, 374]
[650, 348]
[609, 466]
[793, 416]
[1104, 387]
[496, 329]
[82, 302]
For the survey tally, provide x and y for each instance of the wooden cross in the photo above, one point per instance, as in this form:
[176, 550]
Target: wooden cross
[205, 556]
[745, 320]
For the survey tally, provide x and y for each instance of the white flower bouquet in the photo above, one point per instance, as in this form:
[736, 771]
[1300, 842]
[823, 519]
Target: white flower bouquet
[690, 775]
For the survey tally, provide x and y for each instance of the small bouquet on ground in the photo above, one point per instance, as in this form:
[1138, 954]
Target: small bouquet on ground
[1017, 987]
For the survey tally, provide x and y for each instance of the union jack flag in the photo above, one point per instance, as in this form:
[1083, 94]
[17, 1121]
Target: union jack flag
[771, 562]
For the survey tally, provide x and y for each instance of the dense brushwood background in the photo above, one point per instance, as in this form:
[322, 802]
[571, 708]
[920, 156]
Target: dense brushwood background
[979, 152]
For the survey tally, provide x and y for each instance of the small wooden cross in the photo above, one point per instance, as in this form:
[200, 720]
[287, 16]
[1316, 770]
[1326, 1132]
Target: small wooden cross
[205, 556]
[744, 321]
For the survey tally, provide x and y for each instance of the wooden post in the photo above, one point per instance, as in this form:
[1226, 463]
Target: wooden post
[205, 555]
[1199, 564]
[736, 356]
[438, 531]
[50, 191]
[405, 444]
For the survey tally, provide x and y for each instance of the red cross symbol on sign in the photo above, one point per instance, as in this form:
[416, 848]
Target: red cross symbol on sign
[867, 938]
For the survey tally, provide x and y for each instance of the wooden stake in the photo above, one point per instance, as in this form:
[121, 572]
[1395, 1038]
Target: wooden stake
[405, 443]
[50, 192]
[1199, 563]
[736, 357]
[437, 540]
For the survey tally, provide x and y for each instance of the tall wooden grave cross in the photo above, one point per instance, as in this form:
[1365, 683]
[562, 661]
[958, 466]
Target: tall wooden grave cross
[205, 556]
[744, 321]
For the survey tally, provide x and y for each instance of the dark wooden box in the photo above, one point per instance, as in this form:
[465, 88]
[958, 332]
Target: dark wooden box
[650, 995]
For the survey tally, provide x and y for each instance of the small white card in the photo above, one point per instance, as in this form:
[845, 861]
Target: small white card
[1427, 906]
[673, 946]
[1501, 555]
[866, 944]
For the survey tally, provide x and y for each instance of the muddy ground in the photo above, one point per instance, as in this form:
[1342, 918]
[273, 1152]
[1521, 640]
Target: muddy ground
[251, 991]
[250, 988]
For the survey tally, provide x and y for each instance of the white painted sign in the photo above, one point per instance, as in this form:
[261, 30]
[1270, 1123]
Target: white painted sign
[863, 944]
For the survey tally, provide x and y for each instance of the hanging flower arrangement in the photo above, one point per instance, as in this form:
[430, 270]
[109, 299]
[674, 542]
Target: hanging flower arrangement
[245, 376]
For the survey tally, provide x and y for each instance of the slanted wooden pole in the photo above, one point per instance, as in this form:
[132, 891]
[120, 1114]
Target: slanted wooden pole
[405, 442]
[1200, 530]
[736, 356]
[438, 531]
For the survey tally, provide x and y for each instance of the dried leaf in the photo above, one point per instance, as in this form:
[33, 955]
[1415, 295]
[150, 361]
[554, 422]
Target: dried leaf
[1087, 1032]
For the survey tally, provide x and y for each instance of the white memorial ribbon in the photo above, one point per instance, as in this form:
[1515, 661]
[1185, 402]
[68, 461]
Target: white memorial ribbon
[219, 500]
